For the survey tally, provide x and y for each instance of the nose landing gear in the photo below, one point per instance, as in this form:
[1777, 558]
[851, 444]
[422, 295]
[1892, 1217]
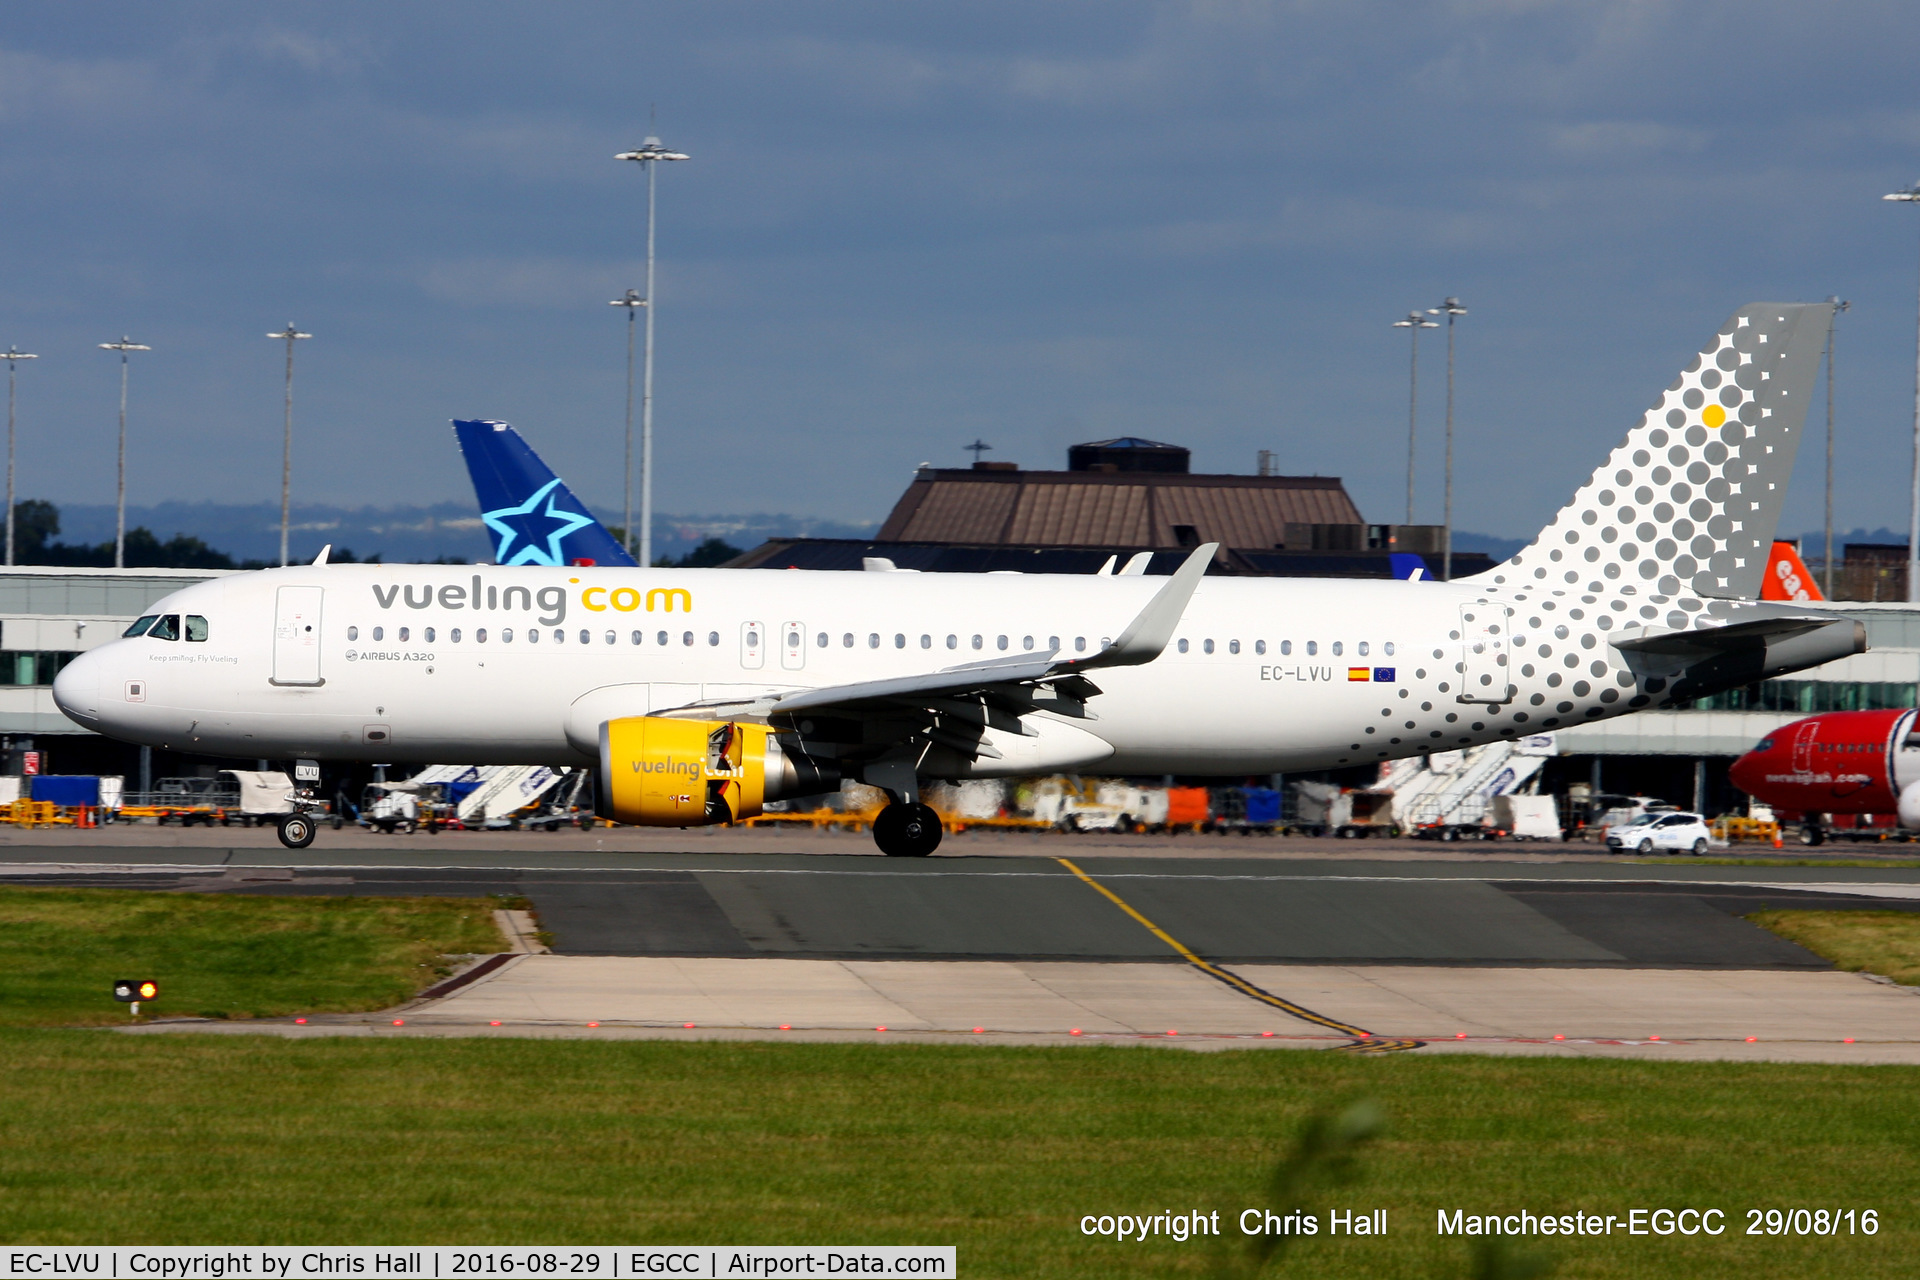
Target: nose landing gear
[907, 829]
[295, 830]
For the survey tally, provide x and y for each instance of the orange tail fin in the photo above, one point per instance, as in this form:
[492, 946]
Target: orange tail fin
[1788, 577]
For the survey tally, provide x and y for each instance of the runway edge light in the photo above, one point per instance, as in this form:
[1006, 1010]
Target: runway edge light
[131, 991]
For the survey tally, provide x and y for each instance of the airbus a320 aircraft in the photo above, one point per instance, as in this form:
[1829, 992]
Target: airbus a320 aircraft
[698, 695]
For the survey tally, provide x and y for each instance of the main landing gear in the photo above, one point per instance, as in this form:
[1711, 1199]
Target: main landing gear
[906, 829]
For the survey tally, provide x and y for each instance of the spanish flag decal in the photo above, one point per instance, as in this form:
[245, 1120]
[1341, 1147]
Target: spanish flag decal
[1360, 673]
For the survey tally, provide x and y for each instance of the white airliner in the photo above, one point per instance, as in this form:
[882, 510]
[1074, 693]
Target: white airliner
[697, 695]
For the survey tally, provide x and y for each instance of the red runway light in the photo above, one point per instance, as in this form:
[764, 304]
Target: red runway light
[687, 1025]
[978, 1030]
[1173, 1033]
[1653, 1037]
[879, 1028]
[1074, 1032]
[593, 1024]
[1558, 1036]
[1848, 1040]
[1752, 1039]
[302, 1021]
[1266, 1035]
[496, 1022]
[399, 1022]
[785, 1027]
[1459, 1035]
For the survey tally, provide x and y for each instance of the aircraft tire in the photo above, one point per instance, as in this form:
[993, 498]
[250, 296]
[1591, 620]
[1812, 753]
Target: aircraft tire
[296, 830]
[907, 830]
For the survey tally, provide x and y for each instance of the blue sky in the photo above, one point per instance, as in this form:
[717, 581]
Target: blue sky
[906, 226]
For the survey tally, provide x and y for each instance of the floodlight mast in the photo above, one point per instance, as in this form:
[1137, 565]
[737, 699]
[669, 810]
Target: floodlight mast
[1450, 308]
[12, 356]
[1838, 306]
[650, 152]
[1414, 323]
[290, 335]
[123, 346]
[632, 301]
[1912, 195]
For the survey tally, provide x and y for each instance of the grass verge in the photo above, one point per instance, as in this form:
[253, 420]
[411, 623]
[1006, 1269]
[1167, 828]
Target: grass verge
[223, 955]
[1876, 863]
[251, 1139]
[1882, 942]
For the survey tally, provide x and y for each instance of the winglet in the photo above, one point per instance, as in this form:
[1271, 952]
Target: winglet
[1147, 635]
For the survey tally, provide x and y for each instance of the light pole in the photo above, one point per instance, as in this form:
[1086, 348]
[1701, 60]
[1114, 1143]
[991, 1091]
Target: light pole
[123, 346]
[1912, 194]
[1450, 308]
[1414, 323]
[12, 356]
[290, 335]
[648, 155]
[1838, 307]
[632, 302]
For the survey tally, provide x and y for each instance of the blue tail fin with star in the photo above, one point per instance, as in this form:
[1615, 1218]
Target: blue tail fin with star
[531, 517]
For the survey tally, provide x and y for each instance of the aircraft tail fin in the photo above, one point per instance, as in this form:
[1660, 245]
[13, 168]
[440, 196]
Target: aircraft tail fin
[1690, 501]
[1788, 577]
[531, 517]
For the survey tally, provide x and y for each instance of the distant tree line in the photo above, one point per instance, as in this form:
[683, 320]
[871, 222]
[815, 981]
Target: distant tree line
[36, 523]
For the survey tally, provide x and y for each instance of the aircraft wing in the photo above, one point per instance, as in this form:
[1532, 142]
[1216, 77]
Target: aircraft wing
[1142, 641]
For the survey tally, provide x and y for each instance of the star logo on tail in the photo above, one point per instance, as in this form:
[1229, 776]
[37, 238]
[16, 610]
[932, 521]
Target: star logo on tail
[539, 532]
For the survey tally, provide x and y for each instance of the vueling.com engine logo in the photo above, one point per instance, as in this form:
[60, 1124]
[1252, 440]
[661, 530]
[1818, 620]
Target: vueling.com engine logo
[687, 767]
[551, 601]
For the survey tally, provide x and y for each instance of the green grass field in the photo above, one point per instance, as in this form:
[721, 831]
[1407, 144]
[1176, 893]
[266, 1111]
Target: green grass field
[223, 955]
[204, 1139]
[1882, 942]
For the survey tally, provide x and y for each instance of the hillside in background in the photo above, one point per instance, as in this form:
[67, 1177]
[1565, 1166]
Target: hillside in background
[409, 534]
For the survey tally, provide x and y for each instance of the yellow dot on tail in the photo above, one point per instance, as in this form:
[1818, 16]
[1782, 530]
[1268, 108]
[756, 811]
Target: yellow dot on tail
[1714, 415]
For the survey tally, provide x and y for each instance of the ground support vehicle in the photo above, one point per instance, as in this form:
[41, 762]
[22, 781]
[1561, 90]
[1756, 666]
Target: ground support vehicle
[1662, 832]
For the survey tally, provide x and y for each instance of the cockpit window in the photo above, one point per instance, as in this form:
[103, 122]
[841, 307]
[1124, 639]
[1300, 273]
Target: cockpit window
[1766, 744]
[196, 627]
[140, 625]
[166, 627]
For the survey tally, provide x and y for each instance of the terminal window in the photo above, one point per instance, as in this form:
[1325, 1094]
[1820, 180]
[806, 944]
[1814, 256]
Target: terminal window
[1809, 697]
[18, 667]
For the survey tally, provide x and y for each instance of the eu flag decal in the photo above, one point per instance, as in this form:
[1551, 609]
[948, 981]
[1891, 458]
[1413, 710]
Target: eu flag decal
[1383, 675]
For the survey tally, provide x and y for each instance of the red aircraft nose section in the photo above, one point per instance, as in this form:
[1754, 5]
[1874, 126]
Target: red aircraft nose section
[1839, 762]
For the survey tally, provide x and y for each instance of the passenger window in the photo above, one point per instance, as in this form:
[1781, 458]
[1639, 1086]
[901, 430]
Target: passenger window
[820, 641]
[686, 638]
[479, 635]
[1361, 648]
[196, 627]
[846, 641]
[1183, 646]
[1313, 648]
[429, 635]
[1260, 646]
[453, 636]
[660, 637]
[1388, 648]
[613, 637]
[506, 635]
[639, 637]
[713, 639]
[353, 633]
[899, 641]
[926, 642]
[379, 633]
[1206, 646]
[1026, 642]
[1079, 644]
[873, 639]
[1337, 648]
[139, 625]
[1286, 648]
[1001, 641]
[976, 642]
[1233, 646]
[166, 628]
[1053, 643]
[953, 642]
[404, 631]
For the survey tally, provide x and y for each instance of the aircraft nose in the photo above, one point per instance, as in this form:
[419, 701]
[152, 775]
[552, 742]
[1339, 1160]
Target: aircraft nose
[1745, 771]
[76, 690]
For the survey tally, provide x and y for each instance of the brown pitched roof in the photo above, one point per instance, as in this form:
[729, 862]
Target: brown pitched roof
[1094, 509]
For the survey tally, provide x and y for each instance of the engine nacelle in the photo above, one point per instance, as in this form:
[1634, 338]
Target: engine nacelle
[656, 771]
